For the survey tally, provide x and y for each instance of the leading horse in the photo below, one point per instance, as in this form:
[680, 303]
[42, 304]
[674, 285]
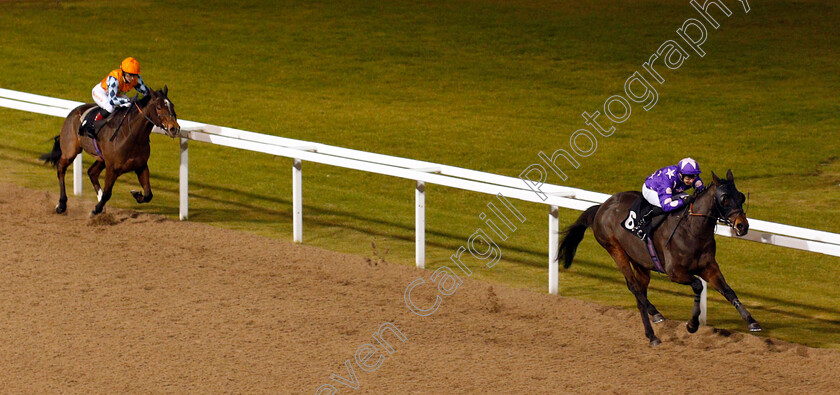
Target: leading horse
[688, 256]
[121, 145]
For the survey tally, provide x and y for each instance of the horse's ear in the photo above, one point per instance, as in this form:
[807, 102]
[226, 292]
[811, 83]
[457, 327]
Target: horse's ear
[165, 91]
[729, 175]
[715, 178]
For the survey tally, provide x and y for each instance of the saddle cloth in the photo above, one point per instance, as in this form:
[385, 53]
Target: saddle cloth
[88, 117]
[639, 208]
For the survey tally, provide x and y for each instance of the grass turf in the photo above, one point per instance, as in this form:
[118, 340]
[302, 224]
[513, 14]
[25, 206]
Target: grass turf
[478, 84]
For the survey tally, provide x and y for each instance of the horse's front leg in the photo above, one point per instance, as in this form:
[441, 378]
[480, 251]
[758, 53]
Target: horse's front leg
[110, 178]
[637, 288]
[694, 323]
[143, 177]
[643, 275]
[680, 276]
[93, 173]
[714, 277]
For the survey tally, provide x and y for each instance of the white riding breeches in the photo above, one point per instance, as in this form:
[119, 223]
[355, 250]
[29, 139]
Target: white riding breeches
[651, 196]
[100, 97]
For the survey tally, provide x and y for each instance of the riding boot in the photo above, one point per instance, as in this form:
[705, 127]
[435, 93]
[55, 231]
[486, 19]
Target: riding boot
[638, 230]
[101, 120]
[98, 125]
[653, 215]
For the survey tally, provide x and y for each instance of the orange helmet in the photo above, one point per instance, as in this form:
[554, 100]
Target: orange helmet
[130, 65]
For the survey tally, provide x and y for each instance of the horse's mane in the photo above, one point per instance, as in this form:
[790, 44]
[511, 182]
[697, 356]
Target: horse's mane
[701, 193]
[145, 99]
[720, 182]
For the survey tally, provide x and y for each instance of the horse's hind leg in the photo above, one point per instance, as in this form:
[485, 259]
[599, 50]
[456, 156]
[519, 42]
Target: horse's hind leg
[714, 277]
[61, 171]
[67, 147]
[93, 173]
[655, 316]
[143, 177]
[638, 288]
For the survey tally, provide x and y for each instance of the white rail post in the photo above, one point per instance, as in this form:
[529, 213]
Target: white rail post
[297, 202]
[77, 175]
[703, 303]
[553, 239]
[420, 224]
[183, 180]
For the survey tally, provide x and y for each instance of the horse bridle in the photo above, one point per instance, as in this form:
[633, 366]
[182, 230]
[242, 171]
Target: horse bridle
[717, 217]
[129, 121]
[169, 117]
[719, 214]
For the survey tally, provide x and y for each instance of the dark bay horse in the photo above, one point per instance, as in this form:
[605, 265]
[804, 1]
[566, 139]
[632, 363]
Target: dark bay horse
[122, 145]
[689, 254]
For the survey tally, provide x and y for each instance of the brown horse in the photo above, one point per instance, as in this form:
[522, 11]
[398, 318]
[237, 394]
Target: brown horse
[689, 254]
[121, 146]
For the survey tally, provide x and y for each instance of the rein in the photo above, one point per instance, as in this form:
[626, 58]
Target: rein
[146, 116]
[717, 217]
[129, 121]
[682, 217]
[118, 127]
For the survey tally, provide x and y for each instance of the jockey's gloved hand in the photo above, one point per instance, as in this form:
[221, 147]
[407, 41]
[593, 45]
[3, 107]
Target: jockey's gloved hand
[683, 196]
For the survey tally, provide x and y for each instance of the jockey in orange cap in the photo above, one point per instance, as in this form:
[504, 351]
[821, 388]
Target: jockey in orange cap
[110, 92]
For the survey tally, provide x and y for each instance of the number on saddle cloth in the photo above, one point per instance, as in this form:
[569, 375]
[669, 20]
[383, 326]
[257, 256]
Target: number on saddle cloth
[638, 209]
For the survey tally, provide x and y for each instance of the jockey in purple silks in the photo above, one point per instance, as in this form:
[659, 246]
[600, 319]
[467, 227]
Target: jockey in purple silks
[664, 189]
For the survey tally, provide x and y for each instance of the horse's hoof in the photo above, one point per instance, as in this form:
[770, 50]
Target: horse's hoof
[655, 342]
[691, 328]
[59, 209]
[754, 327]
[137, 196]
[657, 318]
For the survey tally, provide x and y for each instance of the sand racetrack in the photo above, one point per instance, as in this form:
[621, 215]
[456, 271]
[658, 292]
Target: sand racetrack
[136, 303]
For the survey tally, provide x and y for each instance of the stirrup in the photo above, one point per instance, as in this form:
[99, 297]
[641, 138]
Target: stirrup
[640, 233]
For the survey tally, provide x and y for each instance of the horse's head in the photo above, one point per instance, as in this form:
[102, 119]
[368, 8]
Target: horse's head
[162, 112]
[729, 203]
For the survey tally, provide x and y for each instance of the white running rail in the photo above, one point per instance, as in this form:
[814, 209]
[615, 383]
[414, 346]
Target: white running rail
[420, 171]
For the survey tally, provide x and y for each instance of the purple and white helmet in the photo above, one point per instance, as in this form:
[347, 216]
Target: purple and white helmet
[688, 166]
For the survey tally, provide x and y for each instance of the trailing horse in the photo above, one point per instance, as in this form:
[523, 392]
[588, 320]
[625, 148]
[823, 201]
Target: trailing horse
[121, 146]
[688, 256]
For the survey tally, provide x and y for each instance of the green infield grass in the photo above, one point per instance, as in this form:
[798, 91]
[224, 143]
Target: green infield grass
[484, 85]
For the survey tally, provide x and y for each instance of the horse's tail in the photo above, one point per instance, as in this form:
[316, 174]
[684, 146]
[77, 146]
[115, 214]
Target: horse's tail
[574, 235]
[53, 156]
